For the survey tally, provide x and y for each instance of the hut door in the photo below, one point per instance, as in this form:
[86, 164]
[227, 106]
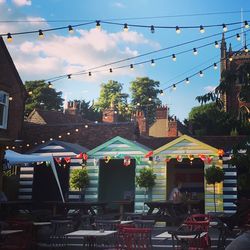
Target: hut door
[116, 181]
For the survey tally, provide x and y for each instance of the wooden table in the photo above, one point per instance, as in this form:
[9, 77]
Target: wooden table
[85, 206]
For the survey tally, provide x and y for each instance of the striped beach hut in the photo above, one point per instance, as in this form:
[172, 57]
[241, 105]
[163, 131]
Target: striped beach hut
[56, 148]
[113, 166]
[185, 159]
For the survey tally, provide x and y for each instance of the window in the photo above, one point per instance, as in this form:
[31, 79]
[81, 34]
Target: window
[4, 104]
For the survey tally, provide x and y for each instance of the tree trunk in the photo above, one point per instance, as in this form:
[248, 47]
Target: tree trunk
[214, 200]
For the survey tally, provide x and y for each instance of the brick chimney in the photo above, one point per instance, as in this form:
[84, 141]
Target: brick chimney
[142, 122]
[172, 128]
[109, 115]
[72, 107]
[162, 112]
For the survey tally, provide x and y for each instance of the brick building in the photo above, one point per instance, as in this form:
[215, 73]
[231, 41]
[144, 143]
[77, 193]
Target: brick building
[233, 61]
[12, 98]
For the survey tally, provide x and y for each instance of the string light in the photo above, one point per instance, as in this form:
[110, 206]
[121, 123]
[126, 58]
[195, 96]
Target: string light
[68, 133]
[215, 66]
[69, 76]
[177, 30]
[201, 73]
[43, 141]
[230, 58]
[202, 30]
[71, 30]
[216, 44]
[174, 87]
[246, 24]
[59, 136]
[30, 93]
[51, 139]
[152, 62]
[174, 57]
[138, 104]
[86, 126]
[98, 25]
[131, 66]
[110, 70]
[40, 34]
[125, 27]
[9, 38]
[245, 49]
[195, 51]
[152, 29]
[50, 85]
[150, 99]
[161, 92]
[238, 37]
[10, 98]
[224, 27]
[76, 129]
[187, 80]
[90, 74]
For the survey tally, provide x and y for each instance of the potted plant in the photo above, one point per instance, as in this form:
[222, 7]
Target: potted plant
[214, 175]
[79, 180]
[146, 180]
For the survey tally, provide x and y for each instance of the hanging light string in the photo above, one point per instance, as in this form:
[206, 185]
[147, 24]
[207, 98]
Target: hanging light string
[99, 22]
[202, 70]
[137, 63]
[82, 72]
[45, 30]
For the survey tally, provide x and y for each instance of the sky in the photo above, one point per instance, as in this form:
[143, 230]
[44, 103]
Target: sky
[61, 53]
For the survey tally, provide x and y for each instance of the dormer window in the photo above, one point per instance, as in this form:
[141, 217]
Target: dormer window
[4, 106]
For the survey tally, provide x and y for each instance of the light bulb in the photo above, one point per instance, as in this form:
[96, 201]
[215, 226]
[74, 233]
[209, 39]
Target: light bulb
[9, 38]
[216, 44]
[150, 99]
[245, 49]
[10, 98]
[125, 27]
[177, 30]
[40, 34]
[50, 85]
[246, 24]
[224, 27]
[90, 74]
[69, 76]
[152, 29]
[152, 62]
[215, 66]
[71, 30]
[187, 80]
[110, 70]
[161, 92]
[230, 58]
[238, 37]
[131, 66]
[195, 51]
[98, 25]
[174, 57]
[202, 30]
[201, 73]
[174, 87]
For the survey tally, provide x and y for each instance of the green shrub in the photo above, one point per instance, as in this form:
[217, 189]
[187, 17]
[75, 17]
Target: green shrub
[79, 179]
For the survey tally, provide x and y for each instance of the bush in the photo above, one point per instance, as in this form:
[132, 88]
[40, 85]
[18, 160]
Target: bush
[79, 179]
[146, 178]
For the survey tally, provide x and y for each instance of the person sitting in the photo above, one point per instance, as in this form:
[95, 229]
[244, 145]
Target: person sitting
[175, 194]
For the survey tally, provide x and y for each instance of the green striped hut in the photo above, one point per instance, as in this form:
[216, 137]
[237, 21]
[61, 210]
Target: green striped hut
[111, 179]
[185, 159]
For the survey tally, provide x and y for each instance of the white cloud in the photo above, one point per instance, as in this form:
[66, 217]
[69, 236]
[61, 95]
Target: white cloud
[119, 5]
[22, 2]
[209, 88]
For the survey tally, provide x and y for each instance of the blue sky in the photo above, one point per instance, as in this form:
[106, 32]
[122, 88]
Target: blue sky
[60, 53]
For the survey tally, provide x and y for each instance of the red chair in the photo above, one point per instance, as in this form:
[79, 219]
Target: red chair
[135, 238]
[199, 223]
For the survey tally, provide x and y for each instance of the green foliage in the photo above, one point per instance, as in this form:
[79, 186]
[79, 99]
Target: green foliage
[146, 178]
[88, 111]
[111, 94]
[214, 175]
[207, 119]
[42, 96]
[79, 179]
[142, 89]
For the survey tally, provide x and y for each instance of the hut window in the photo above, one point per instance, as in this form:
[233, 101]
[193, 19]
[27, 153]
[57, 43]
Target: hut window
[4, 104]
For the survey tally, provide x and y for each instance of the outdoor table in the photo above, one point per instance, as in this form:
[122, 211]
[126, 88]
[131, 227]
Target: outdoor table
[126, 221]
[11, 206]
[90, 235]
[8, 232]
[85, 206]
[122, 204]
[42, 223]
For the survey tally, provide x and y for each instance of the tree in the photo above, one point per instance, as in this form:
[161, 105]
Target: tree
[79, 179]
[144, 92]
[111, 94]
[88, 111]
[214, 175]
[42, 96]
[208, 119]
